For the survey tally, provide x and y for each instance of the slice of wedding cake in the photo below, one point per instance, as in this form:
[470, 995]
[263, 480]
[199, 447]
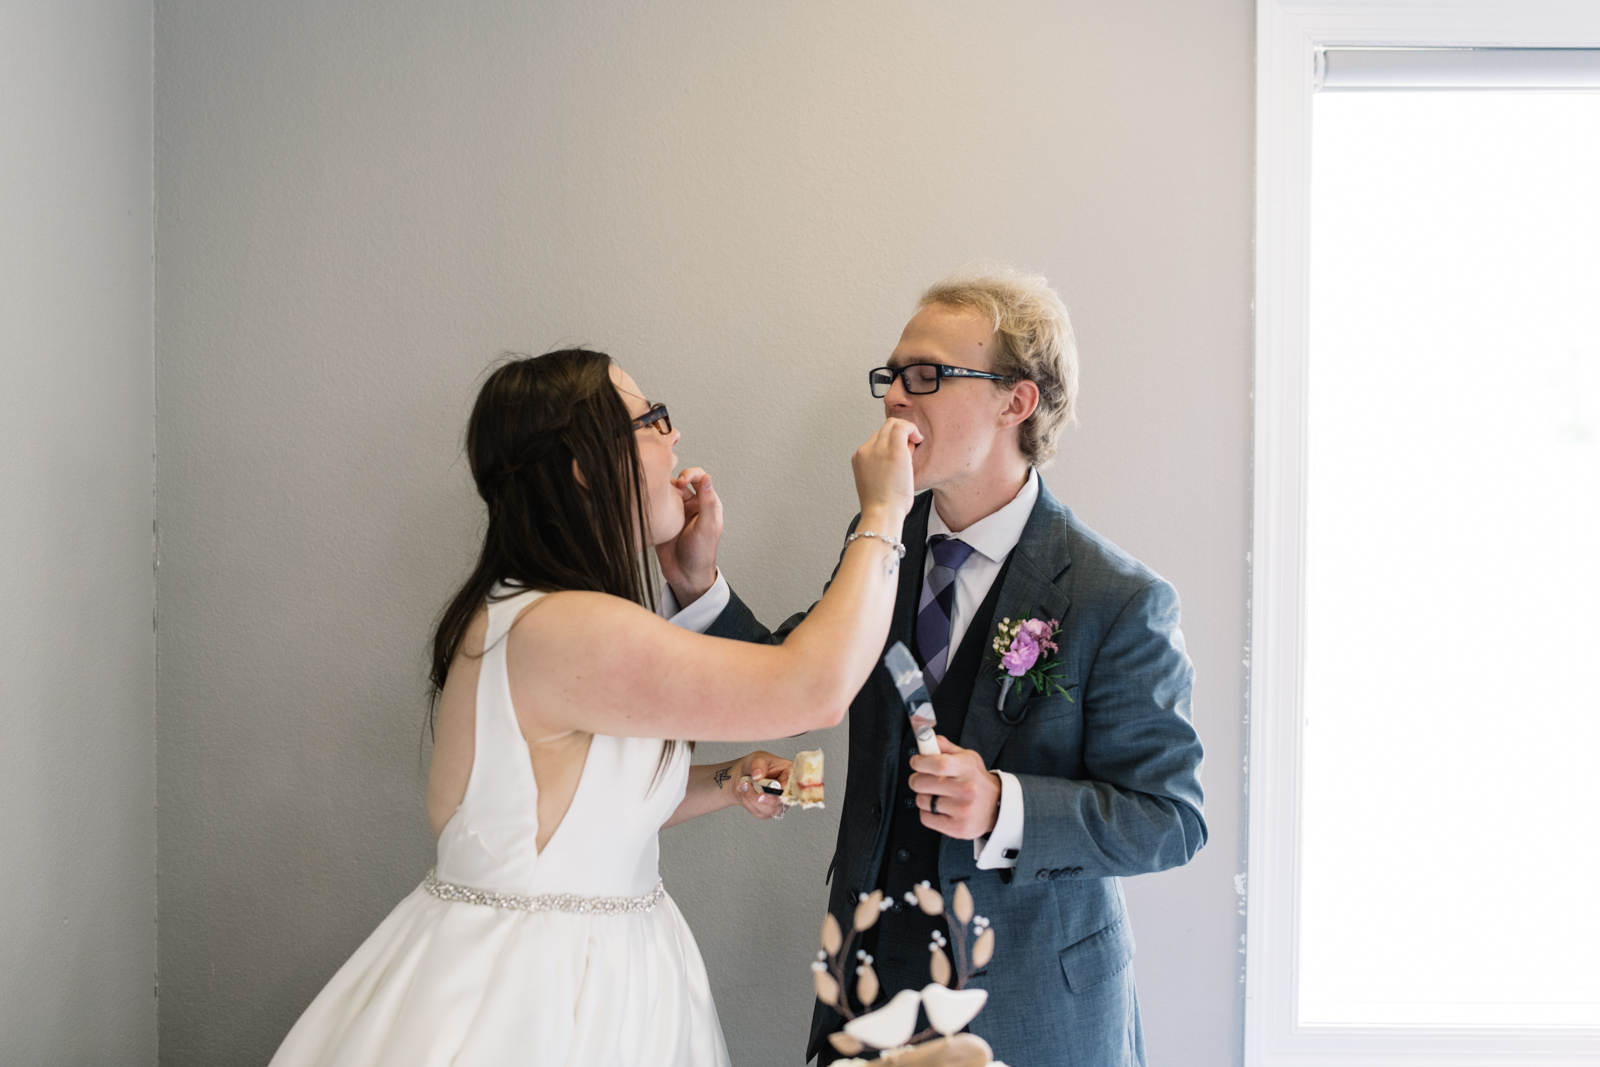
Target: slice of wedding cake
[805, 781]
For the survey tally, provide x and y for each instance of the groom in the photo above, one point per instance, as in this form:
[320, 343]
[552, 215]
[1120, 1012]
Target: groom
[1039, 801]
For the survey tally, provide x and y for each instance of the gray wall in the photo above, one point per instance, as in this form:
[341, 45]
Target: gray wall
[77, 595]
[362, 202]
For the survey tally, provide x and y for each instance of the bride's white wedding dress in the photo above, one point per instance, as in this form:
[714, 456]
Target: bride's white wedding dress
[507, 955]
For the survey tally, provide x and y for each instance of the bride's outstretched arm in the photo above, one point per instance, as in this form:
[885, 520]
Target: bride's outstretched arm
[714, 786]
[599, 663]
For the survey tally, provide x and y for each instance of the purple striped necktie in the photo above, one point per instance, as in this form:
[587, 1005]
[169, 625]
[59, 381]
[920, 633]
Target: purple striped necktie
[938, 599]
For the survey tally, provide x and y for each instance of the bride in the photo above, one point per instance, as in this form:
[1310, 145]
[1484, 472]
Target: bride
[563, 704]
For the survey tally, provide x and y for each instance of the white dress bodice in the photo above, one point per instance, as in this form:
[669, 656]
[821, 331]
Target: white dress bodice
[606, 845]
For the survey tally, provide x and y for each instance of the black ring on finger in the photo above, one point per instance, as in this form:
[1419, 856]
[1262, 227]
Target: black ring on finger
[933, 805]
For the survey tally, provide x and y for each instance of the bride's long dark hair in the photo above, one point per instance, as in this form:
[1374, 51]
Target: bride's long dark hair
[533, 417]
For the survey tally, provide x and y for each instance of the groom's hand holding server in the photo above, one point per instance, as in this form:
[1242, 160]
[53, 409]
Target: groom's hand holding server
[958, 795]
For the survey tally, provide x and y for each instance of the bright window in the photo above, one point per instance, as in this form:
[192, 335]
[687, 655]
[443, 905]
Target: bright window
[1423, 886]
[1450, 864]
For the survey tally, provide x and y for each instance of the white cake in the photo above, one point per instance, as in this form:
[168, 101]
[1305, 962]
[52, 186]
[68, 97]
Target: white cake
[805, 781]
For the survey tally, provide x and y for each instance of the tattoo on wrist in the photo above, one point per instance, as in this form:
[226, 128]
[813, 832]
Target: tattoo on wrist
[722, 775]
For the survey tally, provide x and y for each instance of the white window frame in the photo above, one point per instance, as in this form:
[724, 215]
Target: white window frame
[1288, 33]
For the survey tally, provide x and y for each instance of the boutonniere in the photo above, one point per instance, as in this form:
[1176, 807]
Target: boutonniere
[1025, 648]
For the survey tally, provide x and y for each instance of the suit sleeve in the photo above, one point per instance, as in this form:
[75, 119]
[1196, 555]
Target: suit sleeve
[1137, 808]
[739, 623]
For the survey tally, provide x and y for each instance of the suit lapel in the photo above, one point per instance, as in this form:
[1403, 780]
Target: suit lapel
[914, 532]
[1028, 587]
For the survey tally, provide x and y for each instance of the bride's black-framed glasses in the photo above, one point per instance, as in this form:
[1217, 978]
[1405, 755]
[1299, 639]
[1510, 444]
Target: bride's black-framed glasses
[657, 416]
[921, 379]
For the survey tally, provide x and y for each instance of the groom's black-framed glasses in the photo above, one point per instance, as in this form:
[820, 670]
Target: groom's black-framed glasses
[657, 416]
[921, 379]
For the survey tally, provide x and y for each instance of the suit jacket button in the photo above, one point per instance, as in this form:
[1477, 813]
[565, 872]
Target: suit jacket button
[1042, 875]
[1076, 871]
[903, 854]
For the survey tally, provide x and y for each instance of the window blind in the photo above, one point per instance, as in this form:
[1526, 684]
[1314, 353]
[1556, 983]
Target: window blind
[1435, 69]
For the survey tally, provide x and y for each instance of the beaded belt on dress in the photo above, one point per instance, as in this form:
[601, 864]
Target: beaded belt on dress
[568, 902]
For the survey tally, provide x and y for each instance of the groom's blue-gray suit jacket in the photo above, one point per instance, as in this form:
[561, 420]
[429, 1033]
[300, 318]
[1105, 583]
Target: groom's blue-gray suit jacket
[1110, 783]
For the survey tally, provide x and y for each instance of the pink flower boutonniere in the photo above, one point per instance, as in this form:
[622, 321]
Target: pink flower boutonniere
[1025, 647]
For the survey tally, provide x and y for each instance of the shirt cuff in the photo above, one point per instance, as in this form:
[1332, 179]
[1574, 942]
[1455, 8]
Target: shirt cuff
[1004, 843]
[703, 612]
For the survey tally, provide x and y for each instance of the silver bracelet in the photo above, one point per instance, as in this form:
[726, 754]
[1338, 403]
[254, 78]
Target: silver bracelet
[898, 546]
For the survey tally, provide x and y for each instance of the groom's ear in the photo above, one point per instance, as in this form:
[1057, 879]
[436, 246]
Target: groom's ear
[577, 473]
[1024, 402]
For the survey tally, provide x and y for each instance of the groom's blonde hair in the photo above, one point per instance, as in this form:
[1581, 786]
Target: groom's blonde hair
[1035, 342]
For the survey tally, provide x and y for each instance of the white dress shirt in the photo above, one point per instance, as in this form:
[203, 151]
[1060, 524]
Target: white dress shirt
[992, 538]
[703, 612]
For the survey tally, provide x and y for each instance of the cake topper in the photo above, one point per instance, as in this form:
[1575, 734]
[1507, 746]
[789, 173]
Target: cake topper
[888, 1029]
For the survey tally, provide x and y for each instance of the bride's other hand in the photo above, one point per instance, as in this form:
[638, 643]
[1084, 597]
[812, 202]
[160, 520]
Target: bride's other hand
[761, 765]
[689, 561]
[885, 483]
